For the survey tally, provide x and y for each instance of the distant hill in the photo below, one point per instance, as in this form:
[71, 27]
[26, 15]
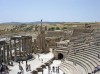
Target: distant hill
[11, 23]
[19, 23]
[38, 22]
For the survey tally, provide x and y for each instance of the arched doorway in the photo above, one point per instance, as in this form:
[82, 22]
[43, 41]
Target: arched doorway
[60, 56]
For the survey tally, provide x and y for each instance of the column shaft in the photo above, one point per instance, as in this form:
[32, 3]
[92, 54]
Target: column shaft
[10, 49]
[15, 50]
[4, 58]
[23, 48]
[20, 48]
[8, 54]
[0, 55]
[30, 45]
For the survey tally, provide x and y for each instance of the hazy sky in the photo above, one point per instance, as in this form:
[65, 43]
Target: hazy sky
[49, 10]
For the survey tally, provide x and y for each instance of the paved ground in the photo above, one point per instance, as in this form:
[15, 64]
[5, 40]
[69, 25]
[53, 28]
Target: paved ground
[35, 63]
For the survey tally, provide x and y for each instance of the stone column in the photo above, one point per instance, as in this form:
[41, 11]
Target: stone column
[4, 58]
[27, 44]
[30, 46]
[20, 48]
[0, 55]
[23, 48]
[34, 46]
[10, 50]
[7, 54]
[39, 42]
[15, 50]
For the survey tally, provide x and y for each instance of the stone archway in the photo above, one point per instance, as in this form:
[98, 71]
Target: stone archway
[60, 56]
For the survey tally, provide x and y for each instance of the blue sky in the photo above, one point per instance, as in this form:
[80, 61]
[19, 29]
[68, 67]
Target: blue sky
[50, 10]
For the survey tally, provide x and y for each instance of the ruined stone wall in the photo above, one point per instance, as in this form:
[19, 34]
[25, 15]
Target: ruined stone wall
[55, 34]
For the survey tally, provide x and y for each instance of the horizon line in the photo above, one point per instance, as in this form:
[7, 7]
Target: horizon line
[53, 21]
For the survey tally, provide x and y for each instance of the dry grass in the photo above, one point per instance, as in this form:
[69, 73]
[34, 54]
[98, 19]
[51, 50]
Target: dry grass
[5, 27]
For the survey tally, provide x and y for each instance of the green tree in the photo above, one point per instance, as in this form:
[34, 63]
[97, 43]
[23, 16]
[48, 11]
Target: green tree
[64, 28]
[57, 28]
[51, 29]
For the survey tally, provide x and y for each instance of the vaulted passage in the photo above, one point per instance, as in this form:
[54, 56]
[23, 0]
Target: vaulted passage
[60, 56]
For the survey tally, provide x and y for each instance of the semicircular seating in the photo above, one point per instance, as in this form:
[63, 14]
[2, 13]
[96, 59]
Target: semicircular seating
[87, 59]
[70, 67]
[82, 55]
